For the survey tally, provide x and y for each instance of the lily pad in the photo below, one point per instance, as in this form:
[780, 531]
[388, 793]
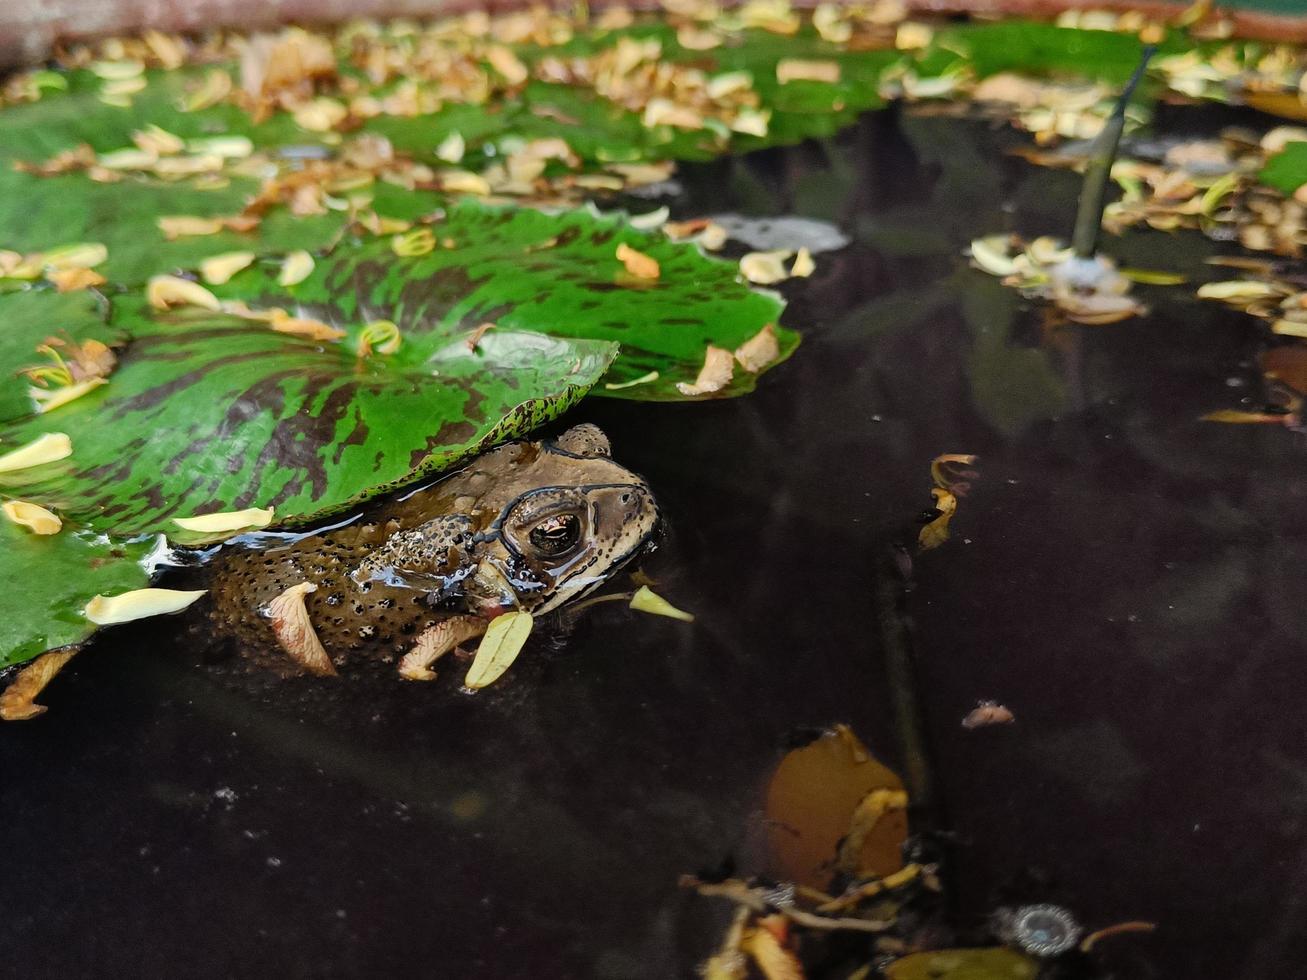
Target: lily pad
[214, 413]
[31, 316]
[556, 274]
[45, 580]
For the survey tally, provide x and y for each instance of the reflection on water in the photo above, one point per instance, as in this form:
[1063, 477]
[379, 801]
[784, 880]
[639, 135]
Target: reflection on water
[1122, 577]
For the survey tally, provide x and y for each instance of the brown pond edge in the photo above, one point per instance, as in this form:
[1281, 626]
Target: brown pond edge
[30, 29]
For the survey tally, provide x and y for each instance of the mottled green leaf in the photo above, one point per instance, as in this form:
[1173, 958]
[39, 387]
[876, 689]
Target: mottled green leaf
[1286, 171]
[214, 413]
[27, 319]
[45, 580]
[557, 274]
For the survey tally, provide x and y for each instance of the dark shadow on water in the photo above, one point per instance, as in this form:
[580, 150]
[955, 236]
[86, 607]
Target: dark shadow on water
[1122, 576]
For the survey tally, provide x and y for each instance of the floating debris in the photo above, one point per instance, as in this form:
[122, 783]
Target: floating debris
[988, 713]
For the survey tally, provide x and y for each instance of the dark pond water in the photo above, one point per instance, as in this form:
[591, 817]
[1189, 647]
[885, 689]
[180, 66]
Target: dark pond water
[1125, 578]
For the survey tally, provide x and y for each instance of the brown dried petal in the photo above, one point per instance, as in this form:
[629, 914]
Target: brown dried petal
[294, 630]
[18, 702]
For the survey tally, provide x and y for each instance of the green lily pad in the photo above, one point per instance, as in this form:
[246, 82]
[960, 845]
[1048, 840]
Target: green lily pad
[1286, 171]
[46, 580]
[28, 318]
[214, 413]
[557, 274]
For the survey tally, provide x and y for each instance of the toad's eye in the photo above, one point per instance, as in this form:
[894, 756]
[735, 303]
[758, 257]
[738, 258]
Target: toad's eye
[556, 535]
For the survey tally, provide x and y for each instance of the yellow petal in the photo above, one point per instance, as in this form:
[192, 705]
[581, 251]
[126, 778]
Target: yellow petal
[991, 255]
[759, 350]
[716, 373]
[1239, 290]
[320, 115]
[452, 148]
[70, 280]
[35, 518]
[44, 449]
[644, 379]
[637, 263]
[185, 226]
[295, 268]
[229, 520]
[217, 269]
[646, 600]
[294, 630]
[165, 292]
[803, 265]
[83, 255]
[106, 610]
[48, 399]
[798, 69]
[503, 641]
[464, 182]
[765, 268]
[304, 327]
[507, 64]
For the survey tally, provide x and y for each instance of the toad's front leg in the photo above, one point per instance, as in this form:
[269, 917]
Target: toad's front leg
[436, 641]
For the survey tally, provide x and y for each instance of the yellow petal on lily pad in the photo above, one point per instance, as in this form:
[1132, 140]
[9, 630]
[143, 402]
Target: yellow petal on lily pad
[295, 268]
[646, 600]
[229, 520]
[34, 517]
[83, 255]
[759, 350]
[165, 292]
[48, 399]
[217, 269]
[108, 610]
[499, 648]
[716, 373]
[48, 448]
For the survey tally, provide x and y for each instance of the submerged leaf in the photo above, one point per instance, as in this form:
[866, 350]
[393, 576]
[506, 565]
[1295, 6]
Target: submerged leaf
[504, 639]
[18, 700]
[994, 963]
[126, 607]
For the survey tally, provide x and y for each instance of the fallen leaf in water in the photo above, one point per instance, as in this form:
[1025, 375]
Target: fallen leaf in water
[647, 601]
[504, 639]
[716, 373]
[222, 521]
[1234, 415]
[218, 269]
[991, 963]
[637, 263]
[34, 517]
[811, 803]
[871, 809]
[294, 630]
[18, 701]
[165, 292]
[759, 350]
[105, 610]
[773, 959]
[49, 448]
[988, 713]
[936, 532]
